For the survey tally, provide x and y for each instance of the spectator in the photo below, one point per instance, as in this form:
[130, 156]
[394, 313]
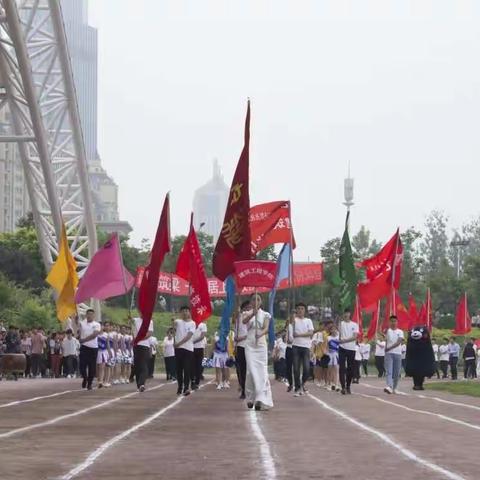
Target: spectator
[469, 360]
[453, 354]
[380, 354]
[435, 354]
[55, 350]
[69, 349]
[26, 347]
[444, 358]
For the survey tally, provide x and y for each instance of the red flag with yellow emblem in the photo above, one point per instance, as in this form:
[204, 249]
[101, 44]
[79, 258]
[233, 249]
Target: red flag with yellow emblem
[234, 242]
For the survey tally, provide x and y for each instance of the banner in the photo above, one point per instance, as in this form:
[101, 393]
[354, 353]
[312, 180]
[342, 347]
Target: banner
[304, 274]
[255, 273]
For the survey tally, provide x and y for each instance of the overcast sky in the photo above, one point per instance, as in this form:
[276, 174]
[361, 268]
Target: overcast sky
[391, 86]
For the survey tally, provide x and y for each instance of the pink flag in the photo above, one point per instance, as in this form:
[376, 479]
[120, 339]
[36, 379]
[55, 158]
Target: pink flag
[105, 276]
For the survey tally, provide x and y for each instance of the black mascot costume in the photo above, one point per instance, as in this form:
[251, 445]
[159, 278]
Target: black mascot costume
[420, 361]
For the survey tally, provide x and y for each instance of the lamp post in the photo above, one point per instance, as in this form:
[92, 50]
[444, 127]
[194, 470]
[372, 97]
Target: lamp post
[459, 244]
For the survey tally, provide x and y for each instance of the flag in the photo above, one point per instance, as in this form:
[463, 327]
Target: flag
[227, 310]
[270, 223]
[358, 319]
[63, 278]
[463, 321]
[190, 268]
[105, 275]
[283, 272]
[396, 307]
[147, 293]
[255, 273]
[412, 308]
[383, 272]
[346, 270]
[426, 313]
[234, 241]
[373, 327]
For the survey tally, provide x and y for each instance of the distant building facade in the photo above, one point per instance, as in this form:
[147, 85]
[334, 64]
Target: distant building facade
[209, 204]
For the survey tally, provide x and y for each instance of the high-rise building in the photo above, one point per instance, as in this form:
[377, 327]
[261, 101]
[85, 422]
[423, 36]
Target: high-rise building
[209, 204]
[83, 49]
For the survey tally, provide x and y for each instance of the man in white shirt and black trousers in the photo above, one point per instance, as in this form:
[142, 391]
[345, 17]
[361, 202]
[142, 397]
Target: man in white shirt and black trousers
[89, 330]
[141, 353]
[348, 332]
[199, 344]
[184, 329]
[302, 343]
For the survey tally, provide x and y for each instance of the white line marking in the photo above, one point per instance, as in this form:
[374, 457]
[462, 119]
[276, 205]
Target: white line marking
[428, 397]
[34, 399]
[265, 453]
[423, 412]
[90, 460]
[389, 441]
[34, 426]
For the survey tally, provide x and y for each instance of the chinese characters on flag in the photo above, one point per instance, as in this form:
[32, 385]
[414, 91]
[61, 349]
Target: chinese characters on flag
[190, 267]
[234, 241]
[255, 273]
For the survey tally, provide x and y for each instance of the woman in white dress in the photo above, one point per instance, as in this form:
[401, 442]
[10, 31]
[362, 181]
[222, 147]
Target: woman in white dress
[257, 385]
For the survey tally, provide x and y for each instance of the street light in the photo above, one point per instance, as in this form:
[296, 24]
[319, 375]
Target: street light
[458, 244]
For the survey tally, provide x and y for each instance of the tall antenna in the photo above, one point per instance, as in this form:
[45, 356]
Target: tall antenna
[348, 190]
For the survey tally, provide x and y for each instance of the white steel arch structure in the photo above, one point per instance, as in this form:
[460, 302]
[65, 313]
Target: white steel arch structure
[38, 92]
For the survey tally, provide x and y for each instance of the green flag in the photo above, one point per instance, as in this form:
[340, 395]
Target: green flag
[346, 270]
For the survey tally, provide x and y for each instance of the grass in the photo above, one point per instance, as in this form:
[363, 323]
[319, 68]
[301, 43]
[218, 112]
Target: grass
[471, 388]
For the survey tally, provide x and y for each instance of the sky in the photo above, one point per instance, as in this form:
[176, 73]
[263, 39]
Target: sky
[391, 87]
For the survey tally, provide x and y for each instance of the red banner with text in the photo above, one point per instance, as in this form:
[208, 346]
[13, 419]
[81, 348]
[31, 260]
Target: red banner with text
[304, 274]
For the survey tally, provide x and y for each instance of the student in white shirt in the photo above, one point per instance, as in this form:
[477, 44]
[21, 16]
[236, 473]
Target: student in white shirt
[69, 349]
[302, 343]
[380, 354]
[289, 352]
[365, 348]
[141, 353]
[358, 364]
[435, 353]
[199, 343]
[241, 332]
[153, 355]
[169, 355]
[444, 356]
[393, 355]
[184, 330]
[346, 352]
[89, 330]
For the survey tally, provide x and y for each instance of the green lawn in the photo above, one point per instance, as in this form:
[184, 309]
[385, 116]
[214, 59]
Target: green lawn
[471, 388]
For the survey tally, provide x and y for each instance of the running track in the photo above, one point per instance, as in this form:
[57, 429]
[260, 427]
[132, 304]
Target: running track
[51, 430]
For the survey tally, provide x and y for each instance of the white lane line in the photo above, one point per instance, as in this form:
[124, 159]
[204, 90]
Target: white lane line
[389, 441]
[90, 460]
[423, 412]
[265, 453]
[34, 426]
[34, 399]
[429, 397]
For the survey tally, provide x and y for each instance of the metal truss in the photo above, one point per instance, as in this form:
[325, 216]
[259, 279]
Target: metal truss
[38, 93]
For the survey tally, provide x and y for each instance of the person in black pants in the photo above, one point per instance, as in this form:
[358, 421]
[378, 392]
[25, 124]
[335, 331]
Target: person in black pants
[199, 342]
[241, 331]
[346, 352]
[454, 353]
[141, 353]
[469, 357]
[302, 343]
[184, 330]
[89, 330]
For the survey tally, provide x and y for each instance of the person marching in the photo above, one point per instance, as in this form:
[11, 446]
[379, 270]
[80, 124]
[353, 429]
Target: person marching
[302, 343]
[169, 355]
[393, 355]
[257, 384]
[102, 356]
[241, 332]
[184, 331]
[89, 329]
[333, 340]
[346, 353]
[289, 352]
[380, 355]
[199, 344]
[365, 348]
[141, 353]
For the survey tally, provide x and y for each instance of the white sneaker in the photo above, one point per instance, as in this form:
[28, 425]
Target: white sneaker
[388, 390]
[226, 385]
[219, 386]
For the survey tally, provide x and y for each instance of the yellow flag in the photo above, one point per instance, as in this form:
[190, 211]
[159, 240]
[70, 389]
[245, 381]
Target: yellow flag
[64, 279]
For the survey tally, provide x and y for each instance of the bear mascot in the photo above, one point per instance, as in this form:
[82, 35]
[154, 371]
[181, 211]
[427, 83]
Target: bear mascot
[420, 360]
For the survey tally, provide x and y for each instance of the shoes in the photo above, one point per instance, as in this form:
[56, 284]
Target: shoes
[84, 383]
[344, 392]
[388, 390]
[194, 386]
[89, 387]
[250, 405]
[242, 396]
[186, 393]
[100, 385]
[333, 388]
[226, 385]
[220, 386]
[179, 392]
[258, 406]
[349, 392]
[289, 389]
[298, 393]
[141, 389]
[305, 390]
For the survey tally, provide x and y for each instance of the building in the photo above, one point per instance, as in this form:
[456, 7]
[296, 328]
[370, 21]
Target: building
[83, 48]
[209, 204]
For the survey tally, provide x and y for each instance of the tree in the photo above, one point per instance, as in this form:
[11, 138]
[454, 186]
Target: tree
[362, 246]
[413, 264]
[435, 243]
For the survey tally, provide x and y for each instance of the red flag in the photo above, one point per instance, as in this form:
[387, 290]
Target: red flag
[147, 293]
[234, 241]
[412, 308]
[396, 307]
[372, 329]
[383, 272]
[255, 273]
[425, 315]
[463, 322]
[357, 318]
[190, 268]
[270, 223]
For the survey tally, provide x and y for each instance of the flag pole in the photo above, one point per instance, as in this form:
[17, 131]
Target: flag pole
[256, 315]
[129, 306]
